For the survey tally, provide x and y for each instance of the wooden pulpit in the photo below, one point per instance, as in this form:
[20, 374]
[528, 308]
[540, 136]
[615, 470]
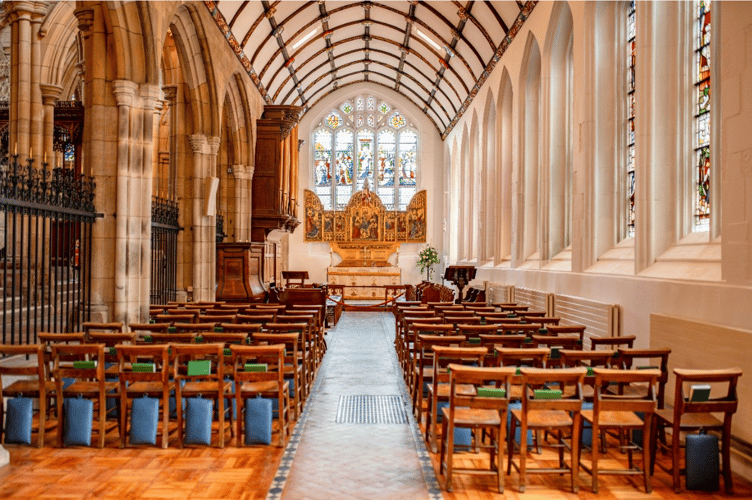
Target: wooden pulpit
[460, 276]
[240, 272]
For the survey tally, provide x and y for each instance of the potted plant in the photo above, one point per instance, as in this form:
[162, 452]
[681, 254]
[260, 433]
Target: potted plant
[426, 259]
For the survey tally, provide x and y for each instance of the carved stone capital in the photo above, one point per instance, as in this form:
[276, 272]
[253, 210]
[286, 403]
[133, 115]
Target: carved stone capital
[150, 95]
[124, 91]
[213, 144]
[85, 18]
[170, 93]
[198, 142]
[251, 170]
[50, 93]
[239, 171]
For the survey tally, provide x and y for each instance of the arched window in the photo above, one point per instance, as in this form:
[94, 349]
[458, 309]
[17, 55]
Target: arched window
[365, 140]
[630, 118]
[702, 116]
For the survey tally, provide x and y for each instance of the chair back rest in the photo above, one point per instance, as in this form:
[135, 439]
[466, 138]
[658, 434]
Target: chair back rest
[267, 317]
[90, 326]
[532, 314]
[13, 370]
[61, 338]
[533, 356]
[466, 313]
[539, 378]
[173, 338]
[149, 327]
[461, 320]
[517, 328]
[176, 318]
[271, 355]
[222, 311]
[463, 375]
[605, 400]
[248, 328]
[574, 357]
[725, 403]
[512, 307]
[500, 316]
[503, 341]
[571, 343]
[216, 319]
[541, 320]
[237, 306]
[444, 355]
[195, 327]
[111, 339]
[476, 330]
[612, 342]
[225, 338]
[480, 309]
[291, 341]
[432, 329]
[442, 308]
[578, 330]
[183, 353]
[82, 352]
[182, 312]
[158, 355]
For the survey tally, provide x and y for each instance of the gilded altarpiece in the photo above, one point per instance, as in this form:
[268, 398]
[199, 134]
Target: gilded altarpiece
[365, 234]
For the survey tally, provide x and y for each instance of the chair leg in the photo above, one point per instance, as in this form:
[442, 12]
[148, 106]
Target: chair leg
[221, 405]
[595, 448]
[281, 416]
[102, 418]
[238, 422]
[675, 456]
[165, 417]
[646, 437]
[42, 419]
[443, 449]
[523, 454]
[450, 454]
[60, 416]
[179, 412]
[123, 415]
[510, 443]
[577, 424]
[500, 452]
[726, 456]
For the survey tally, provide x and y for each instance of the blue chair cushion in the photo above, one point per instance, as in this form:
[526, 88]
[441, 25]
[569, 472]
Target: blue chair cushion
[144, 420]
[18, 421]
[701, 456]
[258, 421]
[462, 436]
[198, 421]
[77, 424]
[587, 429]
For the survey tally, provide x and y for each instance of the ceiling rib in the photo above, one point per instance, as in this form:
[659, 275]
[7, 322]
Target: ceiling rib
[440, 81]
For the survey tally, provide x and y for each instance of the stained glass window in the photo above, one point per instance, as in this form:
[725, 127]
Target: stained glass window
[380, 149]
[322, 145]
[333, 120]
[365, 158]
[702, 116]
[631, 118]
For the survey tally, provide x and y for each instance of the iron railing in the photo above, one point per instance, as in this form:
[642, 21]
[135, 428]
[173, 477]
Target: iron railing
[47, 216]
[164, 250]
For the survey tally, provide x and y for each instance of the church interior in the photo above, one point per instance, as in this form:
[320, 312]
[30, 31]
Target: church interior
[353, 239]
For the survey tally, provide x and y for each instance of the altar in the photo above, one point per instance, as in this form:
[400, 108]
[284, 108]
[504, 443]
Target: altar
[364, 283]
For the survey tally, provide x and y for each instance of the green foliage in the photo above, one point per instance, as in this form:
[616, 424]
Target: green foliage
[426, 259]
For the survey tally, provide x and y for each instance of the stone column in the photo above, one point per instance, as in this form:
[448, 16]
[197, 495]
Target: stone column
[200, 147]
[249, 201]
[240, 174]
[170, 95]
[35, 96]
[125, 92]
[50, 93]
[20, 77]
[149, 97]
[211, 272]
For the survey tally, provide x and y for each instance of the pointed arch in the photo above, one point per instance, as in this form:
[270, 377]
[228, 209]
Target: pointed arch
[506, 168]
[489, 177]
[474, 189]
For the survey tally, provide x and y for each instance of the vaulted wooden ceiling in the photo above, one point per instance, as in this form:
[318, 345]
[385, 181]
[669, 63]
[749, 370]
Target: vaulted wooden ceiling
[435, 53]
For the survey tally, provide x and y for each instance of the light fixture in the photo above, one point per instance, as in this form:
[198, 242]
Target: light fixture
[426, 38]
[304, 39]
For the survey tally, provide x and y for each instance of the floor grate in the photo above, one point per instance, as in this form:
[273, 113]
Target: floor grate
[362, 409]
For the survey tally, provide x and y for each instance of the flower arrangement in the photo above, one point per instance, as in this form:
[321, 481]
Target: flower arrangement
[426, 259]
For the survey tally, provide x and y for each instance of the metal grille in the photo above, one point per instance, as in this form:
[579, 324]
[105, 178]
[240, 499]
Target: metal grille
[363, 409]
[164, 250]
[46, 219]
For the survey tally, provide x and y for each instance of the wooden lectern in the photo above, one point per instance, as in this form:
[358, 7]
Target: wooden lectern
[460, 276]
[297, 278]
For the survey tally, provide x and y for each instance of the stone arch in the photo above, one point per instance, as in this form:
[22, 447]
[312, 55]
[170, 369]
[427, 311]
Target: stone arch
[474, 190]
[505, 172]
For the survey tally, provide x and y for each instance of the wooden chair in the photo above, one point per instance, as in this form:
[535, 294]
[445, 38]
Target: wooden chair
[406, 339]
[237, 306]
[551, 415]
[110, 340]
[304, 353]
[216, 319]
[194, 327]
[562, 330]
[689, 416]
[512, 308]
[422, 371]
[438, 390]
[519, 329]
[248, 328]
[519, 357]
[612, 342]
[90, 326]
[268, 384]
[90, 383]
[657, 358]
[531, 314]
[135, 384]
[223, 310]
[479, 309]
[253, 318]
[476, 412]
[195, 312]
[492, 341]
[555, 345]
[212, 385]
[168, 338]
[542, 321]
[32, 383]
[613, 412]
[149, 327]
[292, 367]
[573, 358]
[311, 339]
[461, 320]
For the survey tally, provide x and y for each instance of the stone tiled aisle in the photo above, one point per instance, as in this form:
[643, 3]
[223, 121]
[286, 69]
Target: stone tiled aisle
[357, 461]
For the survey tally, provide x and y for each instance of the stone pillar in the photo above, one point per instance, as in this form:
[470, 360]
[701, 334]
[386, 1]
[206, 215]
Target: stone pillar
[36, 123]
[241, 194]
[170, 95]
[211, 273]
[19, 16]
[50, 93]
[149, 97]
[125, 92]
[200, 148]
